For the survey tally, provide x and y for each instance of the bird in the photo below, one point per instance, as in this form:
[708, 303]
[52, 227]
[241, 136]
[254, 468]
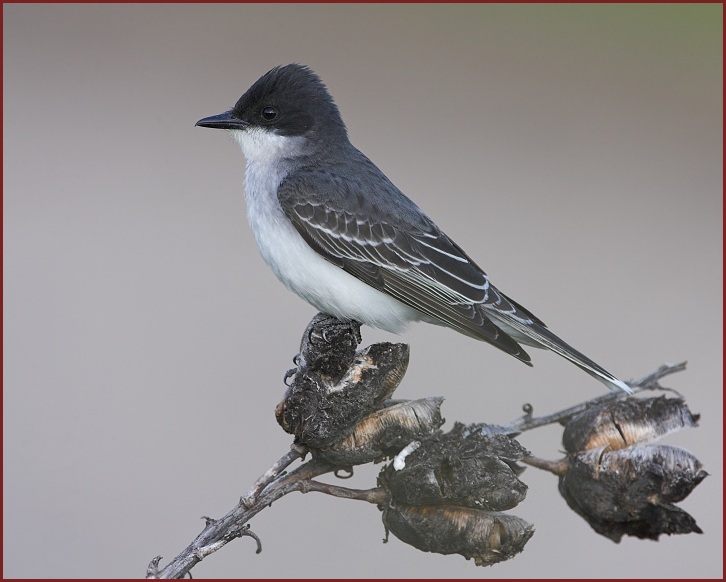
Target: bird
[338, 233]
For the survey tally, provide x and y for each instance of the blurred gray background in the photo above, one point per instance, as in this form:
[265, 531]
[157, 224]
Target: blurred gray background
[574, 151]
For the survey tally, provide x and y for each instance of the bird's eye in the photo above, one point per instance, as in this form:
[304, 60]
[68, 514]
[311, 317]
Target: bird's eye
[269, 113]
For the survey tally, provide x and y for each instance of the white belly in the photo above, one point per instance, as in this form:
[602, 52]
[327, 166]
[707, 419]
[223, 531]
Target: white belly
[327, 287]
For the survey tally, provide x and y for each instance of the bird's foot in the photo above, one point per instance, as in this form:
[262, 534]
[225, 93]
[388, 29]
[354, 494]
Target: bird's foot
[328, 329]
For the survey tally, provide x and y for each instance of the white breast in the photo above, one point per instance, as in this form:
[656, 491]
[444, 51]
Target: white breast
[325, 286]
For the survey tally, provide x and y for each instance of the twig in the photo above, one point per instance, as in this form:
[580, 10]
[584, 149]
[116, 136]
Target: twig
[275, 483]
[376, 496]
[649, 382]
[558, 468]
[296, 452]
[218, 533]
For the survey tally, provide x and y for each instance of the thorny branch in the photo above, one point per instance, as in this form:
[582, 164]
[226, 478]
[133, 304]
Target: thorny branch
[367, 368]
[649, 382]
[219, 532]
[275, 483]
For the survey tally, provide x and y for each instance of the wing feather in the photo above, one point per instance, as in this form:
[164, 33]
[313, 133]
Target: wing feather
[422, 269]
[394, 247]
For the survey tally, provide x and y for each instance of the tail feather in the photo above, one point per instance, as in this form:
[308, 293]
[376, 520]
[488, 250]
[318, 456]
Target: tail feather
[536, 334]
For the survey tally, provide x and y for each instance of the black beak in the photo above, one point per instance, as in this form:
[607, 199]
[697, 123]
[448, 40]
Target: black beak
[222, 121]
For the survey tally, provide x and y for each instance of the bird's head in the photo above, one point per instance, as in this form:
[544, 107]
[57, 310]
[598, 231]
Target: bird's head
[286, 107]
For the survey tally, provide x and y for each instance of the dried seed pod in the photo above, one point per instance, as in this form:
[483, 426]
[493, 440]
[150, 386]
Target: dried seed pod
[385, 432]
[627, 422]
[487, 537]
[328, 347]
[320, 413]
[631, 491]
[462, 467]
[485, 483]
[474, 440]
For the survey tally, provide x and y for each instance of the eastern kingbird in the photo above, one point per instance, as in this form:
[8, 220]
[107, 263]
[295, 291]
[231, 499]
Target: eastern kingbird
[336, 231]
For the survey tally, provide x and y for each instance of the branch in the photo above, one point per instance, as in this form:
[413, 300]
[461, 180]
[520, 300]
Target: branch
[377, 496]
[296, 452]
[218, 533]
[266, 490]
[649, 382]
[338, 400]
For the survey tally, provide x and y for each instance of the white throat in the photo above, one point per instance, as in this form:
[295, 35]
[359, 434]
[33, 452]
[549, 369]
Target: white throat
[260, 146]
[270, 158]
